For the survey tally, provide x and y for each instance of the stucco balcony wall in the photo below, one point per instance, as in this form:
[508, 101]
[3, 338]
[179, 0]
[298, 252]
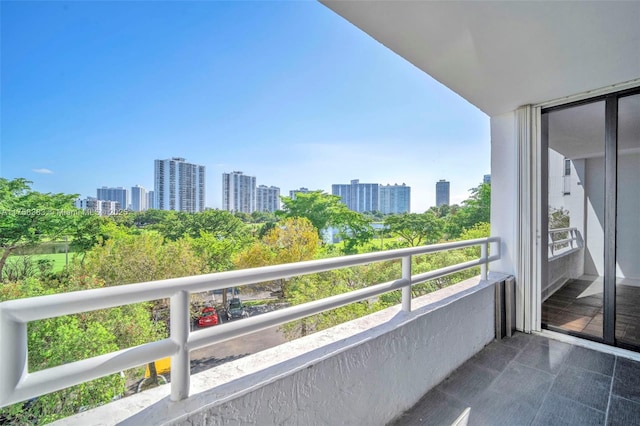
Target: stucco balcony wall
[366, 371]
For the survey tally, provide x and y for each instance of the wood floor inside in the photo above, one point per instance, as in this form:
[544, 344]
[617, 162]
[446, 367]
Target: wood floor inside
[577, 307]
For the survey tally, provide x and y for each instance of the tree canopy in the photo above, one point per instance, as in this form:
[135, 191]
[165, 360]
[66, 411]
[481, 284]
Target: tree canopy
[321, 209]
[324, 211]
[30, 217]
[415, 229]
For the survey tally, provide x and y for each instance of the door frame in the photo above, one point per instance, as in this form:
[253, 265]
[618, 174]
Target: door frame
[611, 99]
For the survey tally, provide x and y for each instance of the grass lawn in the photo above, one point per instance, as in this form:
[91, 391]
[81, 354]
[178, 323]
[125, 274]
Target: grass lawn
[58, 259]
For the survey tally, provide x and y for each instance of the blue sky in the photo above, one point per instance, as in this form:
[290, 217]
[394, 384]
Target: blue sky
[289, 92]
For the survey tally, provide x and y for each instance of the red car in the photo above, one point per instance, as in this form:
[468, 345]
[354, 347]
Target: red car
[208, 317]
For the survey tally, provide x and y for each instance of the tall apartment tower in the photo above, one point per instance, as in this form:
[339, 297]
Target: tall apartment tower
[138, 198]
[238, 192]
[442, 192]
[151, 204]
[267, 198]
[119, 194]
[359, 197]
[395, 199]
[179, 185]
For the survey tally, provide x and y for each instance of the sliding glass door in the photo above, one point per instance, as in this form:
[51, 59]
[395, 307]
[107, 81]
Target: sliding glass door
[591, 287]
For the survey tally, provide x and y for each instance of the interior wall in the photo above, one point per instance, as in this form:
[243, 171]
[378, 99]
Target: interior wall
[594, 216]
[628, 238]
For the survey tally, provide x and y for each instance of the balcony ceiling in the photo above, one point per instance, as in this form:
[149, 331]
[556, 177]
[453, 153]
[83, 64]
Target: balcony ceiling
[501, 55]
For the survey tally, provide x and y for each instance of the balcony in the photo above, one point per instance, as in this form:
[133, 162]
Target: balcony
[446, 327]
[438, 351]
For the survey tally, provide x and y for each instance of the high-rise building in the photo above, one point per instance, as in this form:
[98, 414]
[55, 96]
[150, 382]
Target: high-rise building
[151, 200]
[395, 199]
[138, 198]
[267, 198]
[486, 179]
[293, 192]
[119, 194]
[359, 197]
[179, 185]
[99, 207]
[238, 192]
[442, 192]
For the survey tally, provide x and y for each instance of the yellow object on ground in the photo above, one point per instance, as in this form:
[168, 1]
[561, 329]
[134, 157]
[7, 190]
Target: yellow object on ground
[162, 366]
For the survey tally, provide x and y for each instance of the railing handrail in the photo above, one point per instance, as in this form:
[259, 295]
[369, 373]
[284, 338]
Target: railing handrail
[19, 385]
[570, 244]
[556, 230]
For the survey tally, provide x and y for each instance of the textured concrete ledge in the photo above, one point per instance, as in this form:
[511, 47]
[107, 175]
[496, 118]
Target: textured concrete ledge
[391, 356]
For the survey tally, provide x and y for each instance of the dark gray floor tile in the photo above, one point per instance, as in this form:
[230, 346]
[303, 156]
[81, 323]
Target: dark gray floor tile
[588, 359]
[626, 379]
[467, 382]
[559, 411]
[522, 383]
[623, 412]
[547, 357]
[584, 386]
[546, 383]
[493, 408]
[534, 339]
[435, 408]
[517, 341]
[495, 356]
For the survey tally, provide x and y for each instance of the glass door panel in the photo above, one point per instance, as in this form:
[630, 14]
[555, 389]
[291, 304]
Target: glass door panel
[627, 328]
[572, 292]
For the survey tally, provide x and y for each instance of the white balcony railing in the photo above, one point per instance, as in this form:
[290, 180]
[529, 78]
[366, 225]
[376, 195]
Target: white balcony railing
[563, 241]
[18, 384]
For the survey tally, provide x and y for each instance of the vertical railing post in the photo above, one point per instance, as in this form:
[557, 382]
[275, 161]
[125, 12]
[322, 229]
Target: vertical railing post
[180, 362]
[13, 356]
[484, 250]
[406, 290]
[572, 237]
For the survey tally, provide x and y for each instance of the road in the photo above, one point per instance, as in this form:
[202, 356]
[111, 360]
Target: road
[219, 353]
[239, 347]
[216, 354]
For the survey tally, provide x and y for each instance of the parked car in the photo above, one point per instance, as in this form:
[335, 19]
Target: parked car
[236, 309]
[208, 317]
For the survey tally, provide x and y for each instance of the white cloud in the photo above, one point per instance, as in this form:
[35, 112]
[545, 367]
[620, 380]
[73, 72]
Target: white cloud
[43, 171]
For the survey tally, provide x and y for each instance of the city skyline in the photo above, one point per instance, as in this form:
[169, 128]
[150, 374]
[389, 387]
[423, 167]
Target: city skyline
[391, 199]
[288, 91]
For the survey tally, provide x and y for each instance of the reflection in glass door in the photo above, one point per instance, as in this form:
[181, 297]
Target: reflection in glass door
[627, 273]
[573, 292]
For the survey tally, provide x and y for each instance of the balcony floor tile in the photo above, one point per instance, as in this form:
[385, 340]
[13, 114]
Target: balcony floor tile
[623, 412]
[626, 380]
[557, 410]
[467, 382]
[495, 356]
[583, 386]
[436, 408]
[591, 360]
[533, 380]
